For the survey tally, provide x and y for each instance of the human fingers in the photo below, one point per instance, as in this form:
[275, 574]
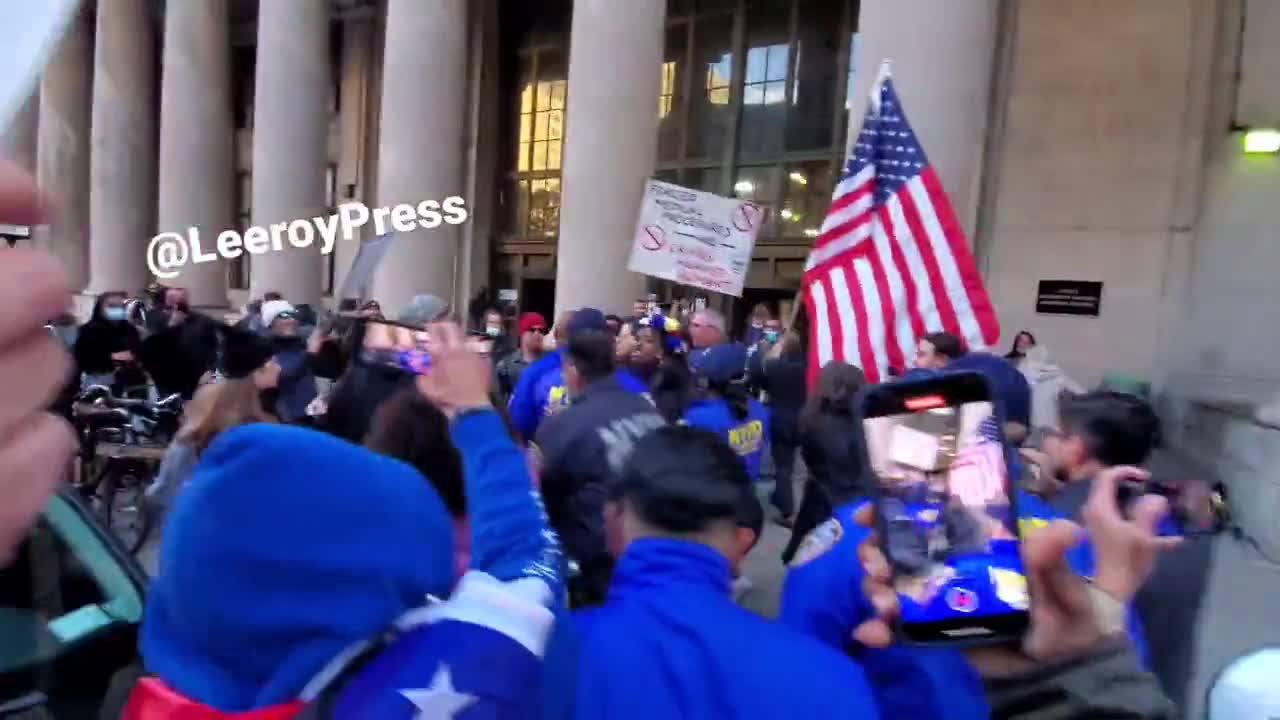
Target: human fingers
[1104, 497]
[874, 633]
[865, 515]
[34, 457]
[874, 564]
[447, 335]
[1049, 577]
[21, 202]
[33, 288]
[32, 369]
[1148, 511]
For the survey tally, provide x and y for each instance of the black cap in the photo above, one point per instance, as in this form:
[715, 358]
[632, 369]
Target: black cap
[587, 319]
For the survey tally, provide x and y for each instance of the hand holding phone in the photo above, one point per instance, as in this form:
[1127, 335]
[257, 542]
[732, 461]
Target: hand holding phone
[945, 510]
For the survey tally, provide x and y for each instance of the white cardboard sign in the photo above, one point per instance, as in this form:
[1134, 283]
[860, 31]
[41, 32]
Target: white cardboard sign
[695, 238]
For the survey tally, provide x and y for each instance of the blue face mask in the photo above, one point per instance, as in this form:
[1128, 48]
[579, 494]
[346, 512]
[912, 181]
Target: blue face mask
[771, 335]
[114, 314]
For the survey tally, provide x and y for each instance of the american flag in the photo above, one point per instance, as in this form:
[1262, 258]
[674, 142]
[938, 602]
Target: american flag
[891, 263]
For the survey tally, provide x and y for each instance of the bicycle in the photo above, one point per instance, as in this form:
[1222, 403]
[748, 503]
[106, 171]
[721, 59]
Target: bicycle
[122, 442]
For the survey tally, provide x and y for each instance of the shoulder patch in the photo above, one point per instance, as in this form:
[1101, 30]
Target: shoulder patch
[818, 542]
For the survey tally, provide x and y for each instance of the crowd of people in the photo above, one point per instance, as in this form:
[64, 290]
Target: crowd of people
[550, 519]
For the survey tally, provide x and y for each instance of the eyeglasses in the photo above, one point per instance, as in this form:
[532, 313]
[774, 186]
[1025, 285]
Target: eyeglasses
[539, 330]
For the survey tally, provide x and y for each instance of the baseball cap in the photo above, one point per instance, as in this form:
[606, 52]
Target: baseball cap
[1246, 688]
[273, 310]
[722, 363]
[587, 319]
[532, 321]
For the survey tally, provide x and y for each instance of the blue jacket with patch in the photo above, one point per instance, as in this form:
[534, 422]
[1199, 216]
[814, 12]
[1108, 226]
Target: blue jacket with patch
[822, 597]
[747, 436]
[669, 642]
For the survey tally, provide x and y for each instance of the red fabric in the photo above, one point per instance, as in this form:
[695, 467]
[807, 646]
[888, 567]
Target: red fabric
[151, 699]
[532, 320]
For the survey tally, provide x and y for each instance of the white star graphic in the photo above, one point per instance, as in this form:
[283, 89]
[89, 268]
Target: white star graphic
[439, 701]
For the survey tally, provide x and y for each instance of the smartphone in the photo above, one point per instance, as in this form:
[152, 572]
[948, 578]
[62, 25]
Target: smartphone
[945, 509]
[389, 344]
[32, 31]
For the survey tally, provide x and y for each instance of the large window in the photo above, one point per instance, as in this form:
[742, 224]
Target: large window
[752, 104]
[535, 185]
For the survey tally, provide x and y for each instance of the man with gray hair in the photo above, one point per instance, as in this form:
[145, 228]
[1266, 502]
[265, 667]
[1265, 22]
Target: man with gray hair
[707, 328]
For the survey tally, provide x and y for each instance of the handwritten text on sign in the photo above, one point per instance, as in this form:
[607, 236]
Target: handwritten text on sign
[695, 238]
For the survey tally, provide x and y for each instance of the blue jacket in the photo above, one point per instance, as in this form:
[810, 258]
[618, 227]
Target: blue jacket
[297, 384]
[822, 598]
[670, 643]
[541, 392]
[528, 403]
[748, 437]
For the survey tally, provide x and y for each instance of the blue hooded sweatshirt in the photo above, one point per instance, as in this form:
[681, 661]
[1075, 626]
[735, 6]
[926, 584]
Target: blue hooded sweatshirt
[285, 547]
[669, 642]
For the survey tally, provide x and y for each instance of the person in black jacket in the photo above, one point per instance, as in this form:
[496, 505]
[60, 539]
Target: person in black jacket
[830, 443]
[107, 343]
[584, 447]
[781, 372]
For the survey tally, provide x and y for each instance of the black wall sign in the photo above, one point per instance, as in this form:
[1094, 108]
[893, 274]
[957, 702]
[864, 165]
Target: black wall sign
[1069, 297]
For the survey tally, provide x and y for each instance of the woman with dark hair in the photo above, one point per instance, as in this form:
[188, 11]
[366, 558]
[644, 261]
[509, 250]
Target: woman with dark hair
[830, 443]
[1022, 344]
[657, 358]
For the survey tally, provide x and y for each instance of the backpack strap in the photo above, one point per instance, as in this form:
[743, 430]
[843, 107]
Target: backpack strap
[322, 692]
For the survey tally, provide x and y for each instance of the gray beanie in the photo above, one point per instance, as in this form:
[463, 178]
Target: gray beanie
[423, 310]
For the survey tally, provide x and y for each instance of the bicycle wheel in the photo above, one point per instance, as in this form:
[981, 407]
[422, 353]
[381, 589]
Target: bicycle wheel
[123, 494]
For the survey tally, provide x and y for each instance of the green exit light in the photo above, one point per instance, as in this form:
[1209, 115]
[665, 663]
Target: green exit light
[1262, 141]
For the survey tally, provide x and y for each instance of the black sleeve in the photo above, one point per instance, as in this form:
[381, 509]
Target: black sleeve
[90, 351]
[327, 363]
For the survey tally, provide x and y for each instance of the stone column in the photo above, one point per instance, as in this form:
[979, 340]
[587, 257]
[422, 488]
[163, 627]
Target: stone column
[611, 136]
[290, 143]
[62, 149]
[421, 148]
[122, 178]
[197, 145]
[943, 63]
[18, 143]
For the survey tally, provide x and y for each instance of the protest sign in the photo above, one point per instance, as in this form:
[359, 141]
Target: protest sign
[360, 276]
[695, 238]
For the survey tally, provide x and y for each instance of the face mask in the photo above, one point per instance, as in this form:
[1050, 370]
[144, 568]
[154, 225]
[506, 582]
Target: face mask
[115, 314]
[771, 335]
[492, 331]
[757, 325]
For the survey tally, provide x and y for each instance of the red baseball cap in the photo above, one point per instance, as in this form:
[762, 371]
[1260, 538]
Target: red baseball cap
[532, 321]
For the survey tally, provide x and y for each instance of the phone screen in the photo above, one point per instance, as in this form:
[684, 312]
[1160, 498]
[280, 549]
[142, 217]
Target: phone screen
[946, 511]
[398, 346]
